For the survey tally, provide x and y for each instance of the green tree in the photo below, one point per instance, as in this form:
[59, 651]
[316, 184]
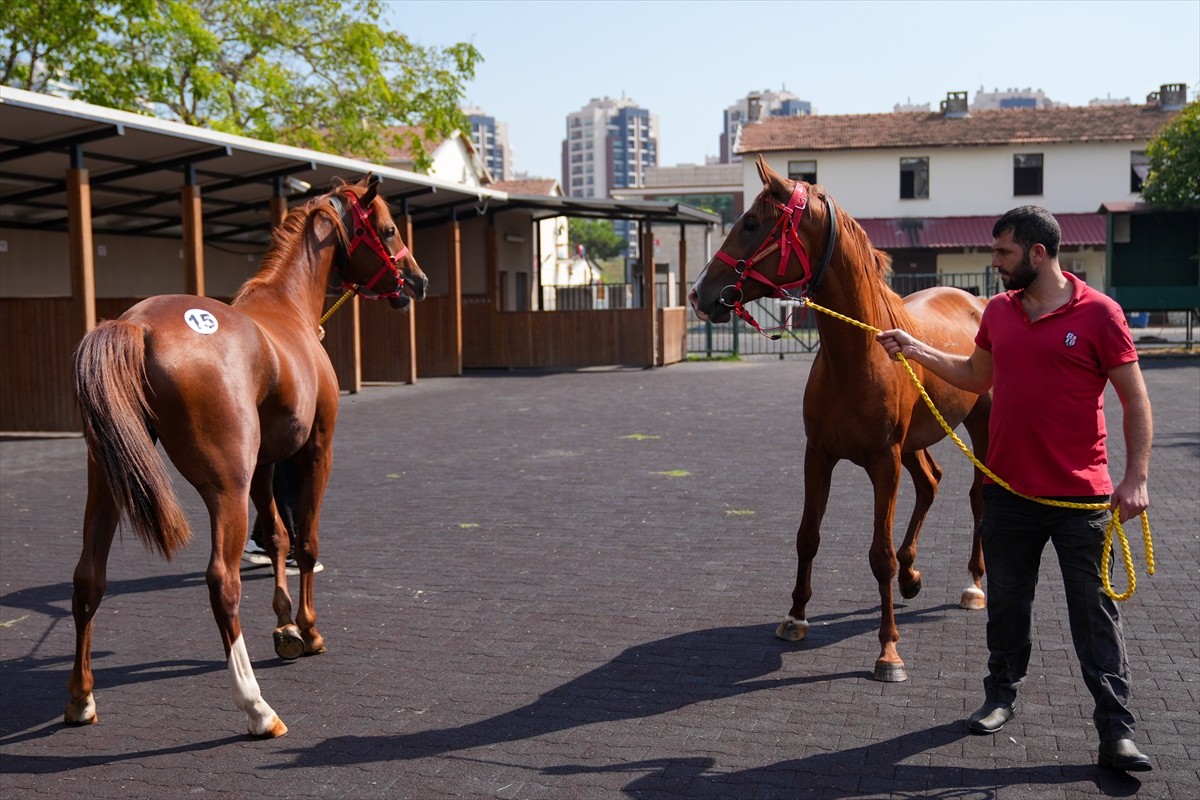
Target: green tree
[1174, 154]
[320, 74]
[597, 236]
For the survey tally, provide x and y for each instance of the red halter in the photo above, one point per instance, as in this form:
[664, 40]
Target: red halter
[365, 233]
[785, 237]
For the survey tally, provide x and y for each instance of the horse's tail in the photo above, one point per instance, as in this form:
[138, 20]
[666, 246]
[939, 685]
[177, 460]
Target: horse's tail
[110, 384]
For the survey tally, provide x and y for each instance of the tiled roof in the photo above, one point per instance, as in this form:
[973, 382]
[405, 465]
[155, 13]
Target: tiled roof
[533, 186]
[926, 129]
[947, 232]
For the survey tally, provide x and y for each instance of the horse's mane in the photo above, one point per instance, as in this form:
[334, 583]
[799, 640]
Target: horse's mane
[875, 266]
[287, 238]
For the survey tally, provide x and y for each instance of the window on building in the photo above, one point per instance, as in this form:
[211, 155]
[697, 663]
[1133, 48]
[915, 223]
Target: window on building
[1027, 174]
[1139, 168]
[802, 171]
[914, 178]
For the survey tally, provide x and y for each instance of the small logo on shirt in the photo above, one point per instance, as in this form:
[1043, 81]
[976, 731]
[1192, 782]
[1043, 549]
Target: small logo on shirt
[1070, 339]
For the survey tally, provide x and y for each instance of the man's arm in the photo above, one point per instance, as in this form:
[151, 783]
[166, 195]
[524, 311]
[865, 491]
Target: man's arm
[971, 373]
[1132, 495]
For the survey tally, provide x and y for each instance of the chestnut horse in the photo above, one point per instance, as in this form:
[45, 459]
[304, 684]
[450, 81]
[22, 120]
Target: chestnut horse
[229, 390]
[859, 404]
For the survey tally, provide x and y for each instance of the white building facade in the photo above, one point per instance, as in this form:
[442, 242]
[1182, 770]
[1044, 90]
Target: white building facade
[928, 186]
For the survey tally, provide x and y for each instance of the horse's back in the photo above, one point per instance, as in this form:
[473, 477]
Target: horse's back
[947, 317]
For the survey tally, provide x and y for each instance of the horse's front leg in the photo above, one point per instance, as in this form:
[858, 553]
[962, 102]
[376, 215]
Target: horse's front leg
[818, 473]
[884, 471]
[976, 424]
[926, 474]
[229, 512]
[100, 520]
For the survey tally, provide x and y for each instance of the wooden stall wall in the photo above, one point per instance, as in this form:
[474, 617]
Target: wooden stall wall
[437, 355]
[35, 372]
[535, 339]
[672, 335]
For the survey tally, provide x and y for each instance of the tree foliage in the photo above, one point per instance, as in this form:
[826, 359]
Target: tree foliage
[321, 74]
[1174, 154]
[597, 237]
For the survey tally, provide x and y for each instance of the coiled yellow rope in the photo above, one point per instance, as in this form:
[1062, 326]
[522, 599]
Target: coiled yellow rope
[1113, 525]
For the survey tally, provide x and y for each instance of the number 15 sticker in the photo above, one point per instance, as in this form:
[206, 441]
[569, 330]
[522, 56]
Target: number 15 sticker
[200, 321]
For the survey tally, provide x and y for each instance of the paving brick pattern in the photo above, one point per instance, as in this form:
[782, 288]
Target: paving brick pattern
[564, 585]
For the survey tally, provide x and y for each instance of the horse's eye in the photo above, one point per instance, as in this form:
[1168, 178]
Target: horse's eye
[749, 224]
[389, 232]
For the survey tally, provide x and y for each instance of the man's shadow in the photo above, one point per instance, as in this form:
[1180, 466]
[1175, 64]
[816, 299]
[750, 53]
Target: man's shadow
[643, 681]
[876, 769]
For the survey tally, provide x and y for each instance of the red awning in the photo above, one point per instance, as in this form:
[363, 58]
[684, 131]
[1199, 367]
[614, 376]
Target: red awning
[899, 233]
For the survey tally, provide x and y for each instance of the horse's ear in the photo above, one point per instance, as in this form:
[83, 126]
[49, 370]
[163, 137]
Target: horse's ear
[372, 189]
[772, 180]
[762, 169]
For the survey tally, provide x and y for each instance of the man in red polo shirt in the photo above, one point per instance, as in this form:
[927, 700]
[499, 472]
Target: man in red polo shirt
[1046, 348]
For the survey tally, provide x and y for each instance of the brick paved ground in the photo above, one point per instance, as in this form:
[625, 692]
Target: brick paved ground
[565, 586]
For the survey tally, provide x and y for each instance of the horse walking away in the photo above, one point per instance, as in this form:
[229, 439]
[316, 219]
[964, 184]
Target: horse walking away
[859, 404]
[229, 391]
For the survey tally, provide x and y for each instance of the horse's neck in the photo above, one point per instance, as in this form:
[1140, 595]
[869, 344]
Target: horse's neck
[298, 279]
[853, 291]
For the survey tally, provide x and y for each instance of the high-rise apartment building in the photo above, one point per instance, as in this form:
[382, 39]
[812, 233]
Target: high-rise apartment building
[609, 145]
[490, 139]
[754, 107]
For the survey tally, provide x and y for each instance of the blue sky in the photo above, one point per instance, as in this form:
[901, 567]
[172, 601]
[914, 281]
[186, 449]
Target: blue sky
[688, 61]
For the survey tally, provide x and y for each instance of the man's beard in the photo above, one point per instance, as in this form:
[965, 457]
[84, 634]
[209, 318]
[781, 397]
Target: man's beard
[1021, 276]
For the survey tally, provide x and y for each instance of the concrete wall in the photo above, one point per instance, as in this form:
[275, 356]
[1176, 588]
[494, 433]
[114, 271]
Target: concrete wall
[36, 264]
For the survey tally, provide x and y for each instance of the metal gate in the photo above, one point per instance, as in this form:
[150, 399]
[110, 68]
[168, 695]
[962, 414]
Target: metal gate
[797, 327]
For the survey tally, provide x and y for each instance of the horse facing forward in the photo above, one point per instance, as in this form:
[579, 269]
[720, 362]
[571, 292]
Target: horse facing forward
[229, 390]
[859, 404]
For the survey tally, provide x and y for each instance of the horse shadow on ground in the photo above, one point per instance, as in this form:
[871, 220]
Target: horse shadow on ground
[643, 681]
[877, 769]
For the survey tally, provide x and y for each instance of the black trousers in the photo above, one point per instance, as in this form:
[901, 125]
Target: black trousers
[1014, 532]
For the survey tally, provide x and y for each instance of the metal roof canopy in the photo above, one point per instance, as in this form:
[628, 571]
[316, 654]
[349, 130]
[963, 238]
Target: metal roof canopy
[137, 165]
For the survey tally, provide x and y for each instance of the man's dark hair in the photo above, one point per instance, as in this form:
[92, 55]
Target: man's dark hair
[1031, 225]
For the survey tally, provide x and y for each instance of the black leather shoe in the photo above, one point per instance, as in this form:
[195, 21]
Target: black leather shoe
[1123, 755]
[989, 718]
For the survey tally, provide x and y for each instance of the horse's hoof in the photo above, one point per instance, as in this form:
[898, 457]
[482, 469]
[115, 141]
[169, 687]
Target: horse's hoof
[81, 712]
[911, 590]
[889, 672]
[272, 731]
[289, 644]
[973, 599]
[792, 629]
[314, 643]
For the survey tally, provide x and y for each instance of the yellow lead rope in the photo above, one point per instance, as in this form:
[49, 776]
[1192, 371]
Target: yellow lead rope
[1114, 523]
[336, 306]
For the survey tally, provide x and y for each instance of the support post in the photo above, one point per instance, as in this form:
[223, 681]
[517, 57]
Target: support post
[406, 228]
[191, 213]
[646, 246]
[454, 249]
[79, 234]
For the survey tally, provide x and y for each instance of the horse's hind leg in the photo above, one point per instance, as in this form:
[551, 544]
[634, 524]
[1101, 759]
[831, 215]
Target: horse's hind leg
[289, 644]
[229, 511]
[312, 476]
[818, 472]
[976, 424]
[926, 474]
[100, 520]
